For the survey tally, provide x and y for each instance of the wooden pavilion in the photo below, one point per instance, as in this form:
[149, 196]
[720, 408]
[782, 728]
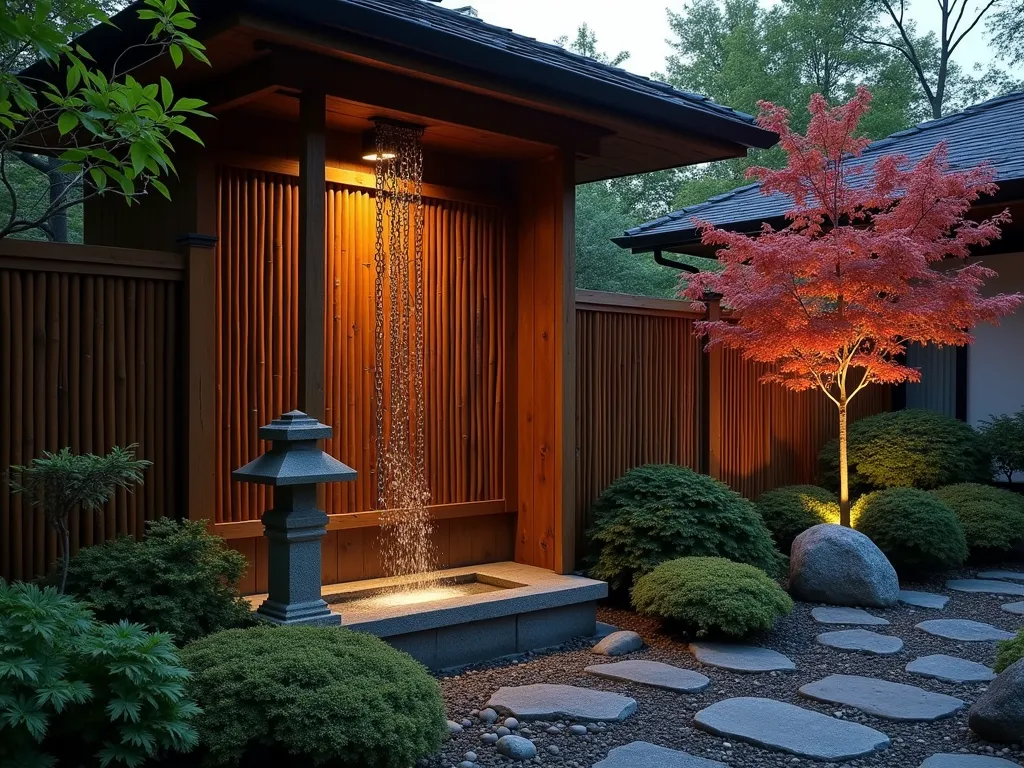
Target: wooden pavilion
[271, 235]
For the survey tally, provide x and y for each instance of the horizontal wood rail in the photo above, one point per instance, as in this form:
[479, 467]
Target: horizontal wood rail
[603, 301]
[71, 258]
[248, 528]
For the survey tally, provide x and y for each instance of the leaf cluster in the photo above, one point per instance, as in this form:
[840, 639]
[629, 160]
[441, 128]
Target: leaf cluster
[993, 519]
[711, 596]
[74, 690]
[313, 695]
[791, 510]
[912, 448]
[916, 530]
[179, 579]
[661, 512]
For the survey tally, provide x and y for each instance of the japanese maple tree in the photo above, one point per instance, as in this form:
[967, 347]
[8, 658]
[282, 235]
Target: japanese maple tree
[871, 259]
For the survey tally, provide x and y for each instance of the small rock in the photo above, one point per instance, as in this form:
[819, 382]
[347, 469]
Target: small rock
[489, 738]
[489, 716]
[503, 731]
[511, 723]
[454, 727]
[470, 756]
[467, 764]
[552, 749]
[517, 748]
[579, 730]
[619, 643]
[467, 723]
[553, 731]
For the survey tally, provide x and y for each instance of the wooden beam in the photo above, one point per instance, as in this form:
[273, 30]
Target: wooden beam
[238, 86]
[312, 250]
[604, 301]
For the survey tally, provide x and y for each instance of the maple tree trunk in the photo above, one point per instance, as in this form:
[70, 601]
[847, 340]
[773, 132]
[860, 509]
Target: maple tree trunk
[844, 474]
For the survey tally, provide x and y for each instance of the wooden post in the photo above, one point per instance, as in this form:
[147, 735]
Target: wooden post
[713, 398]
[312, 248]
[565, 557]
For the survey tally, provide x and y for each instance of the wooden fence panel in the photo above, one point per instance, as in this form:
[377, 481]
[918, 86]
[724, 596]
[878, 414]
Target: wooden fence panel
[90, 344]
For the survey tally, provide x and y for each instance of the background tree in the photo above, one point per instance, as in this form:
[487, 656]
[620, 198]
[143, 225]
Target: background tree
[100, 124]
[832, 299]
[585, 44]
[1006, 28]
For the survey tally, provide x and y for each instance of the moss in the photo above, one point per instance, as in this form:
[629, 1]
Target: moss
[313, 696]
[993, 519]
[1009, 652]
[661, 512]
[711, 596]
[915, 529]
[791, 510]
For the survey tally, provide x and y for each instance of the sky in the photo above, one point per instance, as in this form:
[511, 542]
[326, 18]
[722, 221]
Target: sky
[641, 26]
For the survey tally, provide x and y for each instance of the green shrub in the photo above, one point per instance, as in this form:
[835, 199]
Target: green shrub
[179, 579]
[1009, 652]
[1003, 438]
[915, 530]
[74, 691]
[993, 519]
[908, 449]
[314, 694]
[711, 595]
[660, 512]
[791, 510]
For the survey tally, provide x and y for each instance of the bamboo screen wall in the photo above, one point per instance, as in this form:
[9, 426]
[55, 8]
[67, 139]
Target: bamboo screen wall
[639, 400]
[88, 362]
[257, 377]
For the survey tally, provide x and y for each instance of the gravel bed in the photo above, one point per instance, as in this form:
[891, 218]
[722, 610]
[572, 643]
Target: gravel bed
[666, 718]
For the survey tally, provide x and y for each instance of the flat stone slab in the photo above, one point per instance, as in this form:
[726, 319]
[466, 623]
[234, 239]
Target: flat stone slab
[652, 673]
[923, 599]
[788, 728]
[618, 643]
[985, 586]
[544, 701]
[741, 658]
[1015, 608]
[830, 615]
[1002, 575]
[964, 630]
[951, 669]
[893, 701]
[863, 640]
[967, 761]
[640, 754]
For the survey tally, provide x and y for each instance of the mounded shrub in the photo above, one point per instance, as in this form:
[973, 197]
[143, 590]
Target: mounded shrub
[993, 519]
[312, 696]
[1009, 652]
[908, 449]
[791, 510]
[711, 596]
[75, 691]
[914, 528]
[661, 512]
[179, 579]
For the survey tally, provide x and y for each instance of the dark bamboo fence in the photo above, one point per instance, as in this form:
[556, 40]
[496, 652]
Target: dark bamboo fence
[89, 347]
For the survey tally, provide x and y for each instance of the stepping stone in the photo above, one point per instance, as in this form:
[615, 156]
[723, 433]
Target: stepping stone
[863, 640]
[967, 761]
[951, 669]
[923, 599]
[788, 728]
[640, 754]
[1015, 608]
[964, 630]
[1002, 575]
[544, 701]
[893, 701]
[846, 616]
[652, 673]
[741, 658]
[986, 586]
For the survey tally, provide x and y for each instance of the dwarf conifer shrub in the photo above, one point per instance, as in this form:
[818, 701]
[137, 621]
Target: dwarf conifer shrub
[711, 596]
[993, 519]
[916, 530]
[1009, 652]
[791, 510]
[179, 579]
[313, 696]
[912, 448]
[661, 512]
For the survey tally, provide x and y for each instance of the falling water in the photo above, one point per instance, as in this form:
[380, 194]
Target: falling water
[403, 492]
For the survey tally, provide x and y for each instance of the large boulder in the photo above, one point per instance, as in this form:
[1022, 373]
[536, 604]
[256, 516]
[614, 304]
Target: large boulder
[998, 714]
[840, 566]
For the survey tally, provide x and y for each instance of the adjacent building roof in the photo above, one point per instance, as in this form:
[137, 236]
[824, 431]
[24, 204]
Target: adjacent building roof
[990, 132]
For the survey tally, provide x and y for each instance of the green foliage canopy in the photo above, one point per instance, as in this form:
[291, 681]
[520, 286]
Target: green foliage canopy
[993, 519]
[791, 510]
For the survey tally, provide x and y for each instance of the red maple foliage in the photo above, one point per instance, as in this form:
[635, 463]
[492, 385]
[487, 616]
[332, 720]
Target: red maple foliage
[862, 267]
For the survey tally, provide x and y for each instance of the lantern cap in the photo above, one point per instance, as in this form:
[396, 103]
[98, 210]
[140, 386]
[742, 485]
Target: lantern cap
[292, 461]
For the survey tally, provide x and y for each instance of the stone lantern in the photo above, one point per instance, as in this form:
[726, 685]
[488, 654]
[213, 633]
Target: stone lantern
[294, 466]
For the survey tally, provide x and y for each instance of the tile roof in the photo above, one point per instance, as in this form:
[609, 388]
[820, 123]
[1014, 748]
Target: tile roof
[991, 132]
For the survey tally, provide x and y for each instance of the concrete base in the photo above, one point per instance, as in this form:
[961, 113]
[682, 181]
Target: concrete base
[528, 609]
